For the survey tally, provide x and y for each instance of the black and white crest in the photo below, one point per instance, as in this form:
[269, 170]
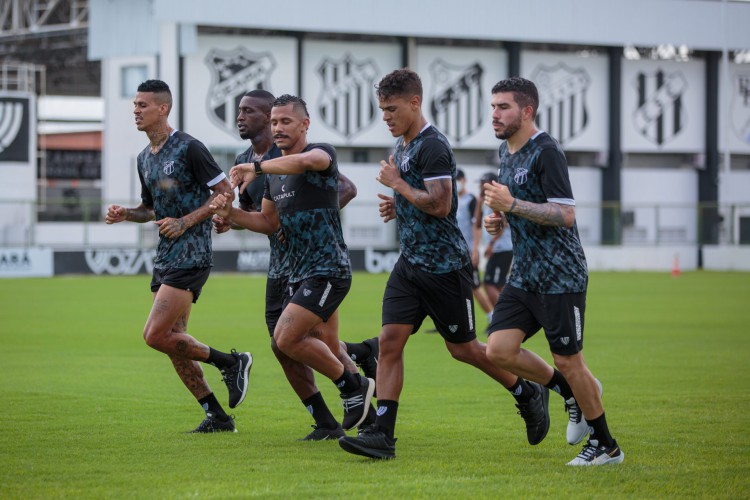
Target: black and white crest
[456, 104]
[14, 129]
[234, 73]
[660, 114]
[563, 110]
[741, 106]
[347, 101]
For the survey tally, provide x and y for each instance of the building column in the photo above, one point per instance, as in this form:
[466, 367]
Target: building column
[611, 174]
[708, 174]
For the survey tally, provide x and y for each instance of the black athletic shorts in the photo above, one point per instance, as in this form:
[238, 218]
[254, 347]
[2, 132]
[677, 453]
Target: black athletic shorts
[275, 291]
[412, 294]
[561, 315]
[191, 280]
[497, 268]
[319, 295]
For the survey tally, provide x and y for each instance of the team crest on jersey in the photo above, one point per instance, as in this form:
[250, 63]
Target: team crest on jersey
[457, 105]
[660, 115]
[235, 72]
[520, 176]
[404, 163]
[563, 110]
[741, 106]
[347, 102]
[168, 167]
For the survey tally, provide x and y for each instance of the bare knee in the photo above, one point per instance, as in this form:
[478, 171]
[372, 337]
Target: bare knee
[500, 354]
[154, 339]
[462, 352]
[568, 364]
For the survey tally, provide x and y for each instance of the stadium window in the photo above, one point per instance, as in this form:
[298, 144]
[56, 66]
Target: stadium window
[130, 78]
[360, 156]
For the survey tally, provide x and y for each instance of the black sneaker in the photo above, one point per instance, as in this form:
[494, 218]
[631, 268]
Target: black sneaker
[536, 414]
[357, 403]
[371, 443]
[369, 364]
[213, 424]
[236, 377]
[324, 434]
[593, 454]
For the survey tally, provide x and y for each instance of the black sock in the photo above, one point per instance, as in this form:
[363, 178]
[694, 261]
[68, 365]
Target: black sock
[386, 419]
[522, 391]
[600, 431]
[220, 359]
[211, 406]
[317, 407]
[348, 382]
[358, 351]
[558, 384]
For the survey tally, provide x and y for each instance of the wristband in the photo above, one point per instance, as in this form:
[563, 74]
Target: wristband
[258, 170]
[512, 206]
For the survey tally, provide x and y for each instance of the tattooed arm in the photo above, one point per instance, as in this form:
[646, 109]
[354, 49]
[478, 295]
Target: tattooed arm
[434, 200]
[498, 198]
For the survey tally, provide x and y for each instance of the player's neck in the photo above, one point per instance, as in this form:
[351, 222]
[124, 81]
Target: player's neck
[520, 138]
[158, 136]
[262, 144]
[415, 129]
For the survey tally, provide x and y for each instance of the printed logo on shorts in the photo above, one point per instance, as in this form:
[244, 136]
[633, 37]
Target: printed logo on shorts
[521, 176]
[565, 340]
[306, 292]
[453, 328]
[169, 167]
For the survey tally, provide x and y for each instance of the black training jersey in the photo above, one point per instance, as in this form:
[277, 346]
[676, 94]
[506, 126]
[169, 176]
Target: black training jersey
[430, 243]
[278, 265]
[308, 207]
[175, 182]
[546, 259]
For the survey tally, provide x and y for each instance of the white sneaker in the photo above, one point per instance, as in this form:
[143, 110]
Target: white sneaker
[577, 426]
[593, 454]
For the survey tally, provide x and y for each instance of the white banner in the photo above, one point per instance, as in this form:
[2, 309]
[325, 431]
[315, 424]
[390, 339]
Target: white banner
[26, 263]
[457, 90]
[734, 105]
[338, 85]
[663, 106]
[222, 70]
[572, 97]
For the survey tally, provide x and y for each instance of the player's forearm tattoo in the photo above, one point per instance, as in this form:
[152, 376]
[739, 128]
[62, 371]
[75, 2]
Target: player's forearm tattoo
[139, 214]
[545, 214]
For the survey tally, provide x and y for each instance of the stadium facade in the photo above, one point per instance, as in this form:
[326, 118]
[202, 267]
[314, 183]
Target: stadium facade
[649, 98]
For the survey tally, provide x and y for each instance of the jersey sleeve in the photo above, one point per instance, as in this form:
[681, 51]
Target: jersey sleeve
[331, 151]
[203, 165]
[555, 178]
[435, 157]
[267, 187]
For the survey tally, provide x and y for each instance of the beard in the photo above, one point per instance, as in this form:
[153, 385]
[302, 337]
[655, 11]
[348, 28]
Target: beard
[510, 129]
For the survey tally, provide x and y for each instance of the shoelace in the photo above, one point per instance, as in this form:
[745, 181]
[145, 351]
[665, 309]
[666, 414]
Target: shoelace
[574, 412]
[588, 452]
[352, 402]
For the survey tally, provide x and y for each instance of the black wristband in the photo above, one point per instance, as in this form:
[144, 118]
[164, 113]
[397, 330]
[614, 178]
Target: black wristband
[258, 170]
[512, 206]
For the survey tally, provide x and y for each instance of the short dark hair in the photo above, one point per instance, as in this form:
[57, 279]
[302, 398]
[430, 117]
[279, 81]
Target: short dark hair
[400, 82]
[263, 95]
[296, 102]
[460, 174]
[158, 87]
[524, 91]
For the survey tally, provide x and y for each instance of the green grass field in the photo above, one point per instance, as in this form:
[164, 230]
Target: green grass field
[92, 412]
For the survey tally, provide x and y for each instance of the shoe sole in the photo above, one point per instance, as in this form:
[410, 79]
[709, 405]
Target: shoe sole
[586, 430]
[245, 374]
[356, 449]
[367, 403]
[610, 461]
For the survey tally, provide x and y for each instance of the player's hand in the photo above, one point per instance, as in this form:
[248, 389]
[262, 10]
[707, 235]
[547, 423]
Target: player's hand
[241, 175]
[387, 207]
[494, 223]
[389, 174]
[221, 205]
[221, 225]
[497, 196]
[115, 213]
[171, 228]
